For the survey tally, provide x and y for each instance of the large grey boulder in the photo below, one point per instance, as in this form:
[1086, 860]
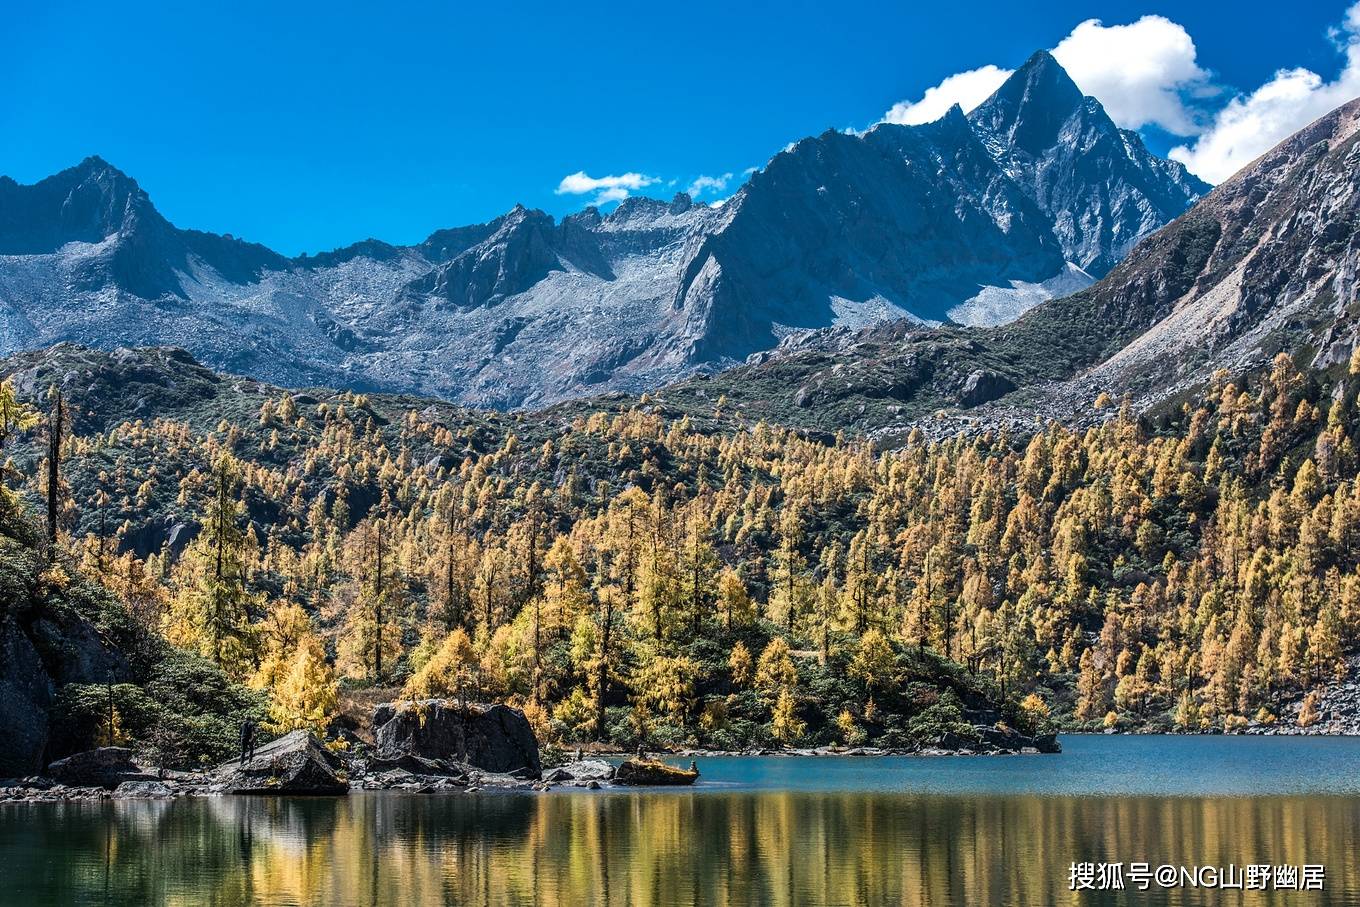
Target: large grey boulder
[581, 772]
[296, 763]
[983, 386]
[143, 790]
[106, 767]
[495, 738]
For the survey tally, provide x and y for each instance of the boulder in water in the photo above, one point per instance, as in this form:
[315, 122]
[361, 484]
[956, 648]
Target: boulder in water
[143, 790]
[646, 772]
[581, 772]
[1047, 743]
[296, 763]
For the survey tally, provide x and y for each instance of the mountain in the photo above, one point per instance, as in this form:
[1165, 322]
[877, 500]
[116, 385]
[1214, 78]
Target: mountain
[1265, 263]
[971, 219]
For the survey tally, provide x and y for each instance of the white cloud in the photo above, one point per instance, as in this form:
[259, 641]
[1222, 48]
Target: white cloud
[612, 194]
[1139, 72]
[609, 188]
[1252, 124]
[967, 89]
[713, 185]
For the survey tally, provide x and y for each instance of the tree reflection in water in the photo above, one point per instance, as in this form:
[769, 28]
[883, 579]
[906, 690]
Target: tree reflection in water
[775, 848]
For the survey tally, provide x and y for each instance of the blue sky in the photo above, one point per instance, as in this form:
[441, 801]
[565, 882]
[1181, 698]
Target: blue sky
[308, 126]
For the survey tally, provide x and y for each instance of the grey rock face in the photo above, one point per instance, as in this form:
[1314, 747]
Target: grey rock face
[495, 738]
[1098, 183]
[37, 656]
[25, 699]
[580, 773]
[143, 790]
[160, 534]
[970, 218]
[106, 767]
[982, 386]
[295, 763]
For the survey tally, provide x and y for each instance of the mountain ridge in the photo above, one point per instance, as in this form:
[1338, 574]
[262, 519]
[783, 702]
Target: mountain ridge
[1264, 264]
[945, 221]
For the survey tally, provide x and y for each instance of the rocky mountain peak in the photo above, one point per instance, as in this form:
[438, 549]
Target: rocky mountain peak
[85, 203]
[94, 164]
[1100, 185]
[1030, 107]
[588, 218]
[1263, 265]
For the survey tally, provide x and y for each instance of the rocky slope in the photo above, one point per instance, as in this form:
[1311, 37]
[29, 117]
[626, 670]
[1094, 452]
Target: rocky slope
[1265, 263]
[970, 219]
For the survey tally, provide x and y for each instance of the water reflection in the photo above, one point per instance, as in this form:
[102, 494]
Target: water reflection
[655, 848]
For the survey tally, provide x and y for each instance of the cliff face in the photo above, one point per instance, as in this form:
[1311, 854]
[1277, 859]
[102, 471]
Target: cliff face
[49, 637]
[970, 219]
[1265, 263]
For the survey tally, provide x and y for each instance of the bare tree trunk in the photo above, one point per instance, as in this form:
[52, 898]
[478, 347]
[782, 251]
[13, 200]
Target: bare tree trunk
[54, 471]
[602, 668]
[378, 606]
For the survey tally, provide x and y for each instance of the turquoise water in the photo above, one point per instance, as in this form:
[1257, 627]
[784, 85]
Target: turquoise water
[756, 830]
[1148, 765]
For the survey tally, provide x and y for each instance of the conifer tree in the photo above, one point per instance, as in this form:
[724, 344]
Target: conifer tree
[452, 673]
[15, 415]
[307, 695]
[211, 608]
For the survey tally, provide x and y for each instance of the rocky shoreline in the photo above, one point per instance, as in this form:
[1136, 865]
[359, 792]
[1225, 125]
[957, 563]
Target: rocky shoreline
[426, 747]
[1337, 704]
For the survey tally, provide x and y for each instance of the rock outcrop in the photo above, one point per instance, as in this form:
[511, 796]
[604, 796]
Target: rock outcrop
[993, 740]
[296, 763]
[36, 658]
[26, 694]
[107, 767]
[143, 790]
[495, 738]
[581, 773]
[653, 773]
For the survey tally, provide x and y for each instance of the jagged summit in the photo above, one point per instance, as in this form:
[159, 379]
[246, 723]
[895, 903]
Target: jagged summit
[84, 203]
[970, 219]
[1101, 186]
[1264, 264]
[1031, 106]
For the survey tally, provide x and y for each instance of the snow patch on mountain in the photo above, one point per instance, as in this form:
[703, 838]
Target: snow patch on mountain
[997, 305]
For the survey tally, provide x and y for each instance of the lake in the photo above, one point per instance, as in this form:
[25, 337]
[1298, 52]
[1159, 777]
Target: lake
[755, 830]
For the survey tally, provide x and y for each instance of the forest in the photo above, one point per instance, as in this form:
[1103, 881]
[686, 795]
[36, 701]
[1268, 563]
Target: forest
[630, 574]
